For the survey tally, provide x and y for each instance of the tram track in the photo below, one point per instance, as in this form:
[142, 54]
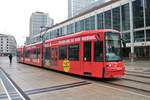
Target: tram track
[138, 74]
[145, 92]
[47, 89]
[137, 78]
[125, 84]
[147, 83]
[135, 84]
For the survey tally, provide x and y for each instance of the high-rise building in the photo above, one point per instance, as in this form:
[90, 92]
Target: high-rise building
[92, 5]
[7, 44]
[38, 20]
[75, 6]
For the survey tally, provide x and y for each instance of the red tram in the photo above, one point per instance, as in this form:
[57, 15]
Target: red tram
[95, 53]
[33, 54]
[20, 54]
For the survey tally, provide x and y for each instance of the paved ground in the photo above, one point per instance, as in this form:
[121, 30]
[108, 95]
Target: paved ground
[1, 88]
[138, 66]
[41, 84]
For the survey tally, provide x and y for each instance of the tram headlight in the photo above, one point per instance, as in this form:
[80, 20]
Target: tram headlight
[109, 65]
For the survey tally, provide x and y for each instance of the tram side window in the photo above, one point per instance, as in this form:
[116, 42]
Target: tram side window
[56, 50]
[53, 53]
[62, 52]
[47, 53]
[36, 53]
[98, 51]
[18, 54]
[27, 53]
[87, 51]
[73, 52]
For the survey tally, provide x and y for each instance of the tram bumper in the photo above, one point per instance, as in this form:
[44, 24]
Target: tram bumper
[114, 70]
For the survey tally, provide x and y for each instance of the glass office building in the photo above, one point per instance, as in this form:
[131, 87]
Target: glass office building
[38, 20]
[75, 6]
[114, 14]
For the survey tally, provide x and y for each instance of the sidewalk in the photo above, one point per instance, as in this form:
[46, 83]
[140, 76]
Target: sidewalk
[138, 66]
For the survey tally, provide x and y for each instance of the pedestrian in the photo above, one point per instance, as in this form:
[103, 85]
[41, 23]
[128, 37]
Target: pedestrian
[10, 58]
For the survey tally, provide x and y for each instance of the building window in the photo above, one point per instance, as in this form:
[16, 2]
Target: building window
[54, 34]
[100, 21]
[87, 24]
[82, 24]
[77, 26]
[45, 36]
[138, 19]
[147, 12]
[147, 35]
[126, 37]
[116, 18]
[125, 17]
[73, 52]
[139, 36]
[60, 32]
[70, 28]
[63, 52]
[90, 23]
[108, 20]
[64, 30]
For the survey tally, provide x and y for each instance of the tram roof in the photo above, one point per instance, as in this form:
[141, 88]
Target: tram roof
[82, 33]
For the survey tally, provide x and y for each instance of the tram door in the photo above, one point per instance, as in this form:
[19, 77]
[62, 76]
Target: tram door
[93, 58]
[54, 56]
[87, 58]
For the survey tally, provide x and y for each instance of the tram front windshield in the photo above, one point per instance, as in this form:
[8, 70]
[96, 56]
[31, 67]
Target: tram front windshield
[113, 46]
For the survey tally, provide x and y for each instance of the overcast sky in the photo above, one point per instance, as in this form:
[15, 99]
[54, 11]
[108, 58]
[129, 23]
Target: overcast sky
[15, 14]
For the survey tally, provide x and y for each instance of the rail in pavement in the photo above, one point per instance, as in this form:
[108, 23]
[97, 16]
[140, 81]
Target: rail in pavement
[12, 90]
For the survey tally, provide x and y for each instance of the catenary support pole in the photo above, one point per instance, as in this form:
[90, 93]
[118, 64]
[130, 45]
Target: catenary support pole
[131, 30]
